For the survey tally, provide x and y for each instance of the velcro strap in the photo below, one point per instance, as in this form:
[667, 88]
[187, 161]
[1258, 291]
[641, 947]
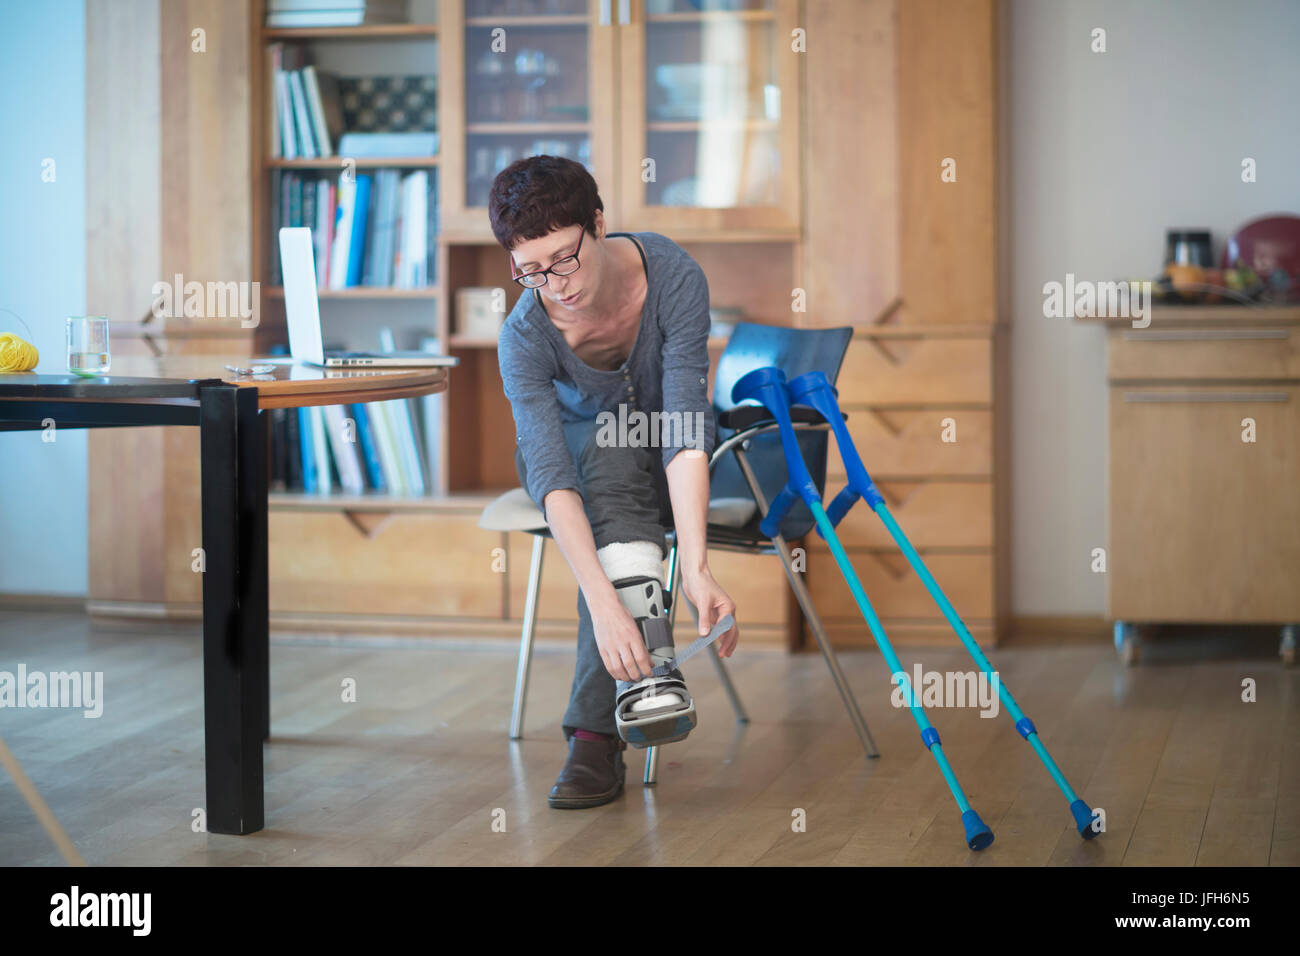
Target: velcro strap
[657, 634]
[697, 645]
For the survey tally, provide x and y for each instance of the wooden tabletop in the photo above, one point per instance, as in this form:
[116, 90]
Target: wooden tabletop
[286, 386]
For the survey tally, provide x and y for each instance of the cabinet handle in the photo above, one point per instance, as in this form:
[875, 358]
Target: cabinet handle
[1203, 335]
[1207, 396]
[604, 12]
[624, 12]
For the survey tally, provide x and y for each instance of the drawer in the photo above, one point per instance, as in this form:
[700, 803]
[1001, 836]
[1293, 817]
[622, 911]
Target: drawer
[1204, 527]
[933, 514]
[909, 442]
[408, 563]
[1206, 354]
[755, 582]
[894, 589]
[885, 370]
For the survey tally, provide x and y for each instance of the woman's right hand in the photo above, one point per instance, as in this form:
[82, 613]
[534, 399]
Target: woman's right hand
[620, 643]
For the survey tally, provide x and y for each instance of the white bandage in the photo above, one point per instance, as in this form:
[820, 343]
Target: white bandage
[632, 559]
[661, 700]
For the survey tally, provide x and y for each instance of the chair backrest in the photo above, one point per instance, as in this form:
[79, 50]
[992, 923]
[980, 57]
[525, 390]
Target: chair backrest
[794, 351]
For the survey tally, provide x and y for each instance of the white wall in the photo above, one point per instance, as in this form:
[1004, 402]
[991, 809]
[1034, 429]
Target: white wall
[1101, 153]
[43, 280]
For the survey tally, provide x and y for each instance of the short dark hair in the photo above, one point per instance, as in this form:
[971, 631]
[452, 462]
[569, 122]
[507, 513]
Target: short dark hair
[534, 196]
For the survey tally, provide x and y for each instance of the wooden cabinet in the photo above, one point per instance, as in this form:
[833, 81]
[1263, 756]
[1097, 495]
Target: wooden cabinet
[709, 116]
[688, 119]
[1205, 470]
[519, 80]
[816, 157]
[922, 416]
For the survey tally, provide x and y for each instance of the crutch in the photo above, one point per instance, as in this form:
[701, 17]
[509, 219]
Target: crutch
[768, 386]
[814, 390]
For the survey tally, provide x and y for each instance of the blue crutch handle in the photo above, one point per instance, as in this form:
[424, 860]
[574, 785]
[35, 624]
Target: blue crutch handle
[845, 500]
[815, 390]
[776, 512]
[767, 385]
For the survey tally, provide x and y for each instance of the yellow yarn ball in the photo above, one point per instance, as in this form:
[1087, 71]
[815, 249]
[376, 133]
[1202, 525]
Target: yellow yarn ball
[17, 355]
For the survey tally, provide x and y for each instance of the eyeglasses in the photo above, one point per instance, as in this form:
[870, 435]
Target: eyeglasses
[563, 267]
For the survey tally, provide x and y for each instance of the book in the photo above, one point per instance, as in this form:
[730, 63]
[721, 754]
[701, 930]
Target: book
[274, 52]
[357, 241]
[408, 460]
[354, 17]
[409, 269]
[320, 450]
[301, 116]
[343, 444]
[284, 107]
[307, 200]
[339, 264]
[431, 247]
[323, 103]
[306, 452]
[374, 217]
[369, 451]
[295, 199]
[322, 230]
[385, 145]
[387, 447]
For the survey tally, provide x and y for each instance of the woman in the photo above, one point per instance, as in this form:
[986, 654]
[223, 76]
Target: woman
[610, 325]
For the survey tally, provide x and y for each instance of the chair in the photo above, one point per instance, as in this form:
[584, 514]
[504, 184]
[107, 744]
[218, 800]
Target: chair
[747, 469]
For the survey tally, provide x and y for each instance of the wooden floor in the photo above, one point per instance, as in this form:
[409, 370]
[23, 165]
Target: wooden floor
[417, 770]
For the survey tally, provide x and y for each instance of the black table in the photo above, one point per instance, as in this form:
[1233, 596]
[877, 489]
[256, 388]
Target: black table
[197, 390]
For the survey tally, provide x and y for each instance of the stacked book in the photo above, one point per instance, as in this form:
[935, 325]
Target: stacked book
[305, 112]
[333, 13]
[307, 115]
[369, 229]
[386, 448]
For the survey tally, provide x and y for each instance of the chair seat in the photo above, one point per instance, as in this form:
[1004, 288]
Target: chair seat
[516, 511]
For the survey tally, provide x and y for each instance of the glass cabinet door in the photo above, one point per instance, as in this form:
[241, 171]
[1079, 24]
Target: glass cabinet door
[710, 120]
[529, 70]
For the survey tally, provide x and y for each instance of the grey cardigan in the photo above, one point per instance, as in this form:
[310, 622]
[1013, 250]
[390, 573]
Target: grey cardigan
[667, 371]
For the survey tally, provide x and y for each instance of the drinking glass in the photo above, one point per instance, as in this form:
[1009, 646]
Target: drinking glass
[88, 344]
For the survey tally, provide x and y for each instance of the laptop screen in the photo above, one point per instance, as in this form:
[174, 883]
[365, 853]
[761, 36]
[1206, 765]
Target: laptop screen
[301, 307]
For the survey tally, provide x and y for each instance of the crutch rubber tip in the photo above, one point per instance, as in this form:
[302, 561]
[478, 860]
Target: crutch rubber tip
[1083, 819]
[978, 836]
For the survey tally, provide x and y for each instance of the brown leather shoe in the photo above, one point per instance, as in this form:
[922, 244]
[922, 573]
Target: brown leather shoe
[592, 775]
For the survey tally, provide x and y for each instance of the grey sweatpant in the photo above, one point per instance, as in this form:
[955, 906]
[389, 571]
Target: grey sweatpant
[625, 496]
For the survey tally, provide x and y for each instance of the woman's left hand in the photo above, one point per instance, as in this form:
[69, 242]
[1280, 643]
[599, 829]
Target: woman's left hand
[713, 605]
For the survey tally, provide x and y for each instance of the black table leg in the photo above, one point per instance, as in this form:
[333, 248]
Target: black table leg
[254, 478]
[234, 634]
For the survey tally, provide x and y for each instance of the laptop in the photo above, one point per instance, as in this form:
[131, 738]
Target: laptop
[302, 312]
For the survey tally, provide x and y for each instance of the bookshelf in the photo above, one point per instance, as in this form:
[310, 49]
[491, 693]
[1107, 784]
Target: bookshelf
[289, 190]
[335, 555]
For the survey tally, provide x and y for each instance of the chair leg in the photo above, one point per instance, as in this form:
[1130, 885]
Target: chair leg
[526, 636]
[805, 602]
[719, 665]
